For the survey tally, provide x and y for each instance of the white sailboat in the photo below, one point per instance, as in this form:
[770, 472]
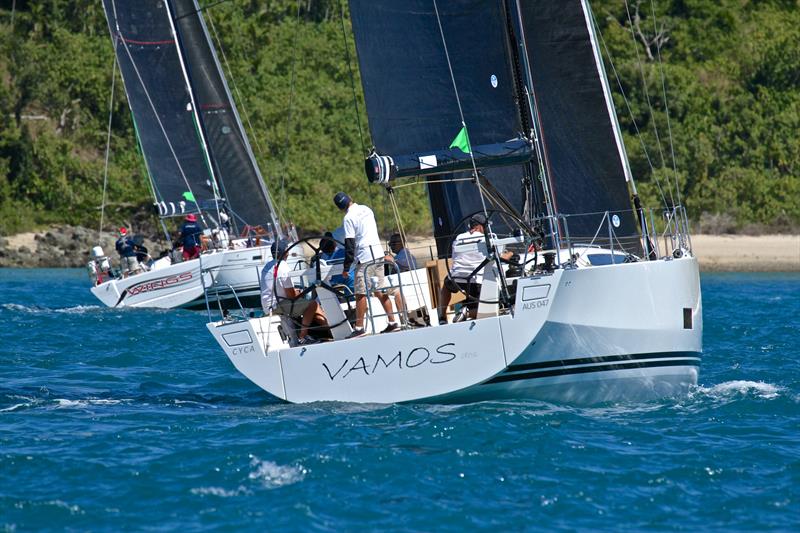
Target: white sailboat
[601, 305]
[198, 161]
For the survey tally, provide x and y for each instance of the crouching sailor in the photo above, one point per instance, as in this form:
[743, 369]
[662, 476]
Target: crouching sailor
[279, 296]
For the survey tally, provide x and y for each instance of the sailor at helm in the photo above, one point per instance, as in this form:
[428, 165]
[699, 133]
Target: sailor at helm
[279, 295]
[461, 277]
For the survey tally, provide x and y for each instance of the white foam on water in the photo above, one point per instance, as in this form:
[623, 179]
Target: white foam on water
[14, 407]
[727, 389]
[73, 509]
[220, 492]
[272, 475]
[78, 309]
[63, 403]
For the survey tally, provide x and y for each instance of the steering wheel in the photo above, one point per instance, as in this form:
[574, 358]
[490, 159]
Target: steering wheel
[532, 239]
[319, 282]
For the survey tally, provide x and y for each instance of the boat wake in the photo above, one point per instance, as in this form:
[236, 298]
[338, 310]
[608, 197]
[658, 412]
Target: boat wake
[38, 310]
[732, 390]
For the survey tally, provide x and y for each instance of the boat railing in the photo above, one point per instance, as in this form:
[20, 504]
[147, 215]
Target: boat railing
[650, 237]
[372, 285]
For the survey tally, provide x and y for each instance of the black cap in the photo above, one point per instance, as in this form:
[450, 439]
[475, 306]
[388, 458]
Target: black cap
[279, 248]
[341, 200]
[477, 219]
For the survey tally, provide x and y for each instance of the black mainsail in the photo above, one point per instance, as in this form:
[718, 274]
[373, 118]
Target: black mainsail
[232, 157]
[412, 106]
[515, 64]
[161, 105]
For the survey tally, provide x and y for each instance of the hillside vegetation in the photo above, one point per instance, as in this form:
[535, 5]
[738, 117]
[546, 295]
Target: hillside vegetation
[732, 71]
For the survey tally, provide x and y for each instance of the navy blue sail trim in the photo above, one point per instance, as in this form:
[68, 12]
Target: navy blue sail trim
[573, 366]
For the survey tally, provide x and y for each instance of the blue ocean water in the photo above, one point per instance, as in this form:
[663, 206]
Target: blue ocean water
[131, 419]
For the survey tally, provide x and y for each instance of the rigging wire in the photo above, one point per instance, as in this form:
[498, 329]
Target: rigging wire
[666, 105]
[158, 118]
[460, 110]
[108, 142]
[630, 111]
[285, 159]
[647, 94]
[355, 102]
[404, 240]
[253, 136]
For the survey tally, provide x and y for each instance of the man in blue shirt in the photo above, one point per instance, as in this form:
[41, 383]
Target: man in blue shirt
[127, 253]
[190, 236]
[402, 257]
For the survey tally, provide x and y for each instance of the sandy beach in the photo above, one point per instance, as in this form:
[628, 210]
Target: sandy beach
[723, 253]
[717, 253]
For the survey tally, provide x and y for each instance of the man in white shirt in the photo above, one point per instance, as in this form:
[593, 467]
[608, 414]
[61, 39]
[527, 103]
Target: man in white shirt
[277, 290]
[363, 245]
[461, 277]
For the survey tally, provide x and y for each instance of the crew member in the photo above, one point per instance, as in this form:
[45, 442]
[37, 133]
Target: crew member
[402, 257]
[363, 245]
[278, 292]
[127, 253]
[462, 276]
[190, 237]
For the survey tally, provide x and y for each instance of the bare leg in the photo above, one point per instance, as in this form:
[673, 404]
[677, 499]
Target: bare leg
[310, 315]
[386, 303]
[361, 310]
[444, 301]
[399, 303]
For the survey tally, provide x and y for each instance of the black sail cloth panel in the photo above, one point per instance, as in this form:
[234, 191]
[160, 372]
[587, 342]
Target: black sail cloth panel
[160, 104]
[411, 103]
[231, 155]
[585, 160]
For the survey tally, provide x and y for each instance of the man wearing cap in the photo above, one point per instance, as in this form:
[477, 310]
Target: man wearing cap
[190, 237]
[278, 291]
[363, 245]
[127, 253]
[402, 257]
[464, 263]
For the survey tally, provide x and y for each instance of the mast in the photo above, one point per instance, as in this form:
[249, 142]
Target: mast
[234, 163]
[200, 133]
[535, 131]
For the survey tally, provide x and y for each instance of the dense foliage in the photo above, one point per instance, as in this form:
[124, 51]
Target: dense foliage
[732, 71]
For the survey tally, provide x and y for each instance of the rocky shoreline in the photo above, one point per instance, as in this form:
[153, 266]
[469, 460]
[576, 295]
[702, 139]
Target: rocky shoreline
[59, 247]
[69, 247]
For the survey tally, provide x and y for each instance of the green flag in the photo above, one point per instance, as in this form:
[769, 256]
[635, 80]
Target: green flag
[462, 141]
[189, 197]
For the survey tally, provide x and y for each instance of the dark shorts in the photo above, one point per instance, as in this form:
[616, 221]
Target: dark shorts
[472, 290]
[191, 252]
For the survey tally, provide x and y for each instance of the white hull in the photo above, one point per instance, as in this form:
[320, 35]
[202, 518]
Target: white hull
[183, 284]
[606, 333]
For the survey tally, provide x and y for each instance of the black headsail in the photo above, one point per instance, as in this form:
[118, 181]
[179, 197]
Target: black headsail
[160, 104]
[584, 154]
[412, 106]
[232, 158]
